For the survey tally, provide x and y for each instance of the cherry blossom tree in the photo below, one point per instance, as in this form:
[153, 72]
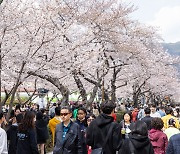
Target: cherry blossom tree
[20, 43]
[86, 46]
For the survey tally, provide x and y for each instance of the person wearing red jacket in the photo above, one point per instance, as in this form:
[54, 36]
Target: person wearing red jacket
[158, 138]
[134, 114]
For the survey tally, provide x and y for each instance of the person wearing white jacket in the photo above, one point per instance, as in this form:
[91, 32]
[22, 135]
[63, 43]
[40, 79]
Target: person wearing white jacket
[3, 136]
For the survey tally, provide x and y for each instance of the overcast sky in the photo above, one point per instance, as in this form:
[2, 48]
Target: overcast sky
[164, 14]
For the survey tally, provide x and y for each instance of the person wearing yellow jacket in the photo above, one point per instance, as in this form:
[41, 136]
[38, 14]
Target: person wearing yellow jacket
[54, 121]
[168, 116]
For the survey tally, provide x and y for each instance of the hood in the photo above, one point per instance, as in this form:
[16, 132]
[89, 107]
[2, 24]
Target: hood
[139, 141]
[154, 134]
[104, 119]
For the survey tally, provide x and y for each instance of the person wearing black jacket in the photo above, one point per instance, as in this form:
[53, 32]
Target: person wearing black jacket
[147, 119]
[27, 142]
[99, 128]
[138, 141]
[12, 134]
[82, 122]
[41, 130]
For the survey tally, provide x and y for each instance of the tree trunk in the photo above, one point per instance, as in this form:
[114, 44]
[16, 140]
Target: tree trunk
[92, 97]
[113, 84]
[18, 97]
[113, 91]
[7, 95]
[55, 81]
[18, 82]
[135, 99]
[12, 100]
[80, 87]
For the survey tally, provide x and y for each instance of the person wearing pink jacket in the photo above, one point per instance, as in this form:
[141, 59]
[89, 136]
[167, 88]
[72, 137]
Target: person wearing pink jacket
[158, 138]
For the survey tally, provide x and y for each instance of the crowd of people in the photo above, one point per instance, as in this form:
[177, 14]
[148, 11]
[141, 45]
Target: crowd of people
[76, 130]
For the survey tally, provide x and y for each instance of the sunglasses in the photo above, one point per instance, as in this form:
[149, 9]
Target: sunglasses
[64, 114]
[89, 120]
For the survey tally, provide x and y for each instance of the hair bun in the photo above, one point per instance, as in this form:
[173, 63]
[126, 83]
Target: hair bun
[172, 122]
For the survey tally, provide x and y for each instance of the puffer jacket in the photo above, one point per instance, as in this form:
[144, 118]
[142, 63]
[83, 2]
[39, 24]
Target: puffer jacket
[159, 141]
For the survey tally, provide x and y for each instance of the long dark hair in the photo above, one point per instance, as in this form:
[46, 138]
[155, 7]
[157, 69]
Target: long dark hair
[27, 122]
[85, 120]
[130, 115]
[82, 109]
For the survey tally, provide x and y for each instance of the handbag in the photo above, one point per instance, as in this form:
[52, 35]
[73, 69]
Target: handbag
[100, 150]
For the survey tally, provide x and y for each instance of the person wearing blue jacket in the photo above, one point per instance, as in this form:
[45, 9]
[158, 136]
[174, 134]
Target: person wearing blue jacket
[173, 145]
